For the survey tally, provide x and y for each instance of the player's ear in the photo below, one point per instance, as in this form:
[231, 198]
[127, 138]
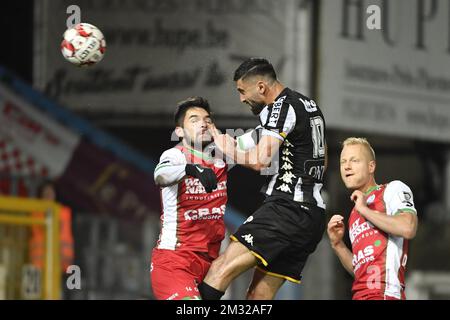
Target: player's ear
[372, 166]
[179, 132]
[261, 87]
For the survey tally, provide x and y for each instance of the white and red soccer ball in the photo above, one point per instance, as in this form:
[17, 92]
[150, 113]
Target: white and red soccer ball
[83, 45]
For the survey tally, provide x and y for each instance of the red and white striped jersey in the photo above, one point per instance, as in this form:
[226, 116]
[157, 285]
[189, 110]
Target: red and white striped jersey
[379, 259]
[191, 218]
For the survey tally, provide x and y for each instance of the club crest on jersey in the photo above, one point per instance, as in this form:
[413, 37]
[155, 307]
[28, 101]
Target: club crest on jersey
[219, 163]
[371, 199]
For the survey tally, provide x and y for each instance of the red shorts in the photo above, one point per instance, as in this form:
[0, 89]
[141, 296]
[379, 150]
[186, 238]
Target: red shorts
[175, 274]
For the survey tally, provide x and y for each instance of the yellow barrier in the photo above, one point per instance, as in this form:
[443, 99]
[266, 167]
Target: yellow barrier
[15, 211]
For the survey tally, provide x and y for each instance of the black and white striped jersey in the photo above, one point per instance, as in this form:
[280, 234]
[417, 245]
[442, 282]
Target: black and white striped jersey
[298, 171]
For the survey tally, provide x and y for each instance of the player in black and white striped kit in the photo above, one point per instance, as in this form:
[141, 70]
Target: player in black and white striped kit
[285, 230]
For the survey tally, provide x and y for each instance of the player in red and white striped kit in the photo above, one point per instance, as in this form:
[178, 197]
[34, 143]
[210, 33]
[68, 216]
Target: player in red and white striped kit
[193, 196]
[380, 225]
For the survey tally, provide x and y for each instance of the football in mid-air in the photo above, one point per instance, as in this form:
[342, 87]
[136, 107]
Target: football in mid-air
[83, 45]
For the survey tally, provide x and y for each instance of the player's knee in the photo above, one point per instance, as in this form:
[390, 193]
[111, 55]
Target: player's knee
[221, 271]
[217, 267]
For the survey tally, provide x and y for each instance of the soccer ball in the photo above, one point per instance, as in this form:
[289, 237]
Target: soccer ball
[83, 45]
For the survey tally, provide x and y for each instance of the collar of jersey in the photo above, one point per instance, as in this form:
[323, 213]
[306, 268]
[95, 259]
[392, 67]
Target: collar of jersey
[198, 154]
[282, 93]
[372, 189]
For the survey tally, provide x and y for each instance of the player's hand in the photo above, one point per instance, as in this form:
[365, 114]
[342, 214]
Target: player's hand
[213, 130]
[206, 176]
[224, 142]
[336, 229]
[360, 201]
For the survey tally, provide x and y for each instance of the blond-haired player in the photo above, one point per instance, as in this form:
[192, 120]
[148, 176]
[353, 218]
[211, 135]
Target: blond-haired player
[380, 225]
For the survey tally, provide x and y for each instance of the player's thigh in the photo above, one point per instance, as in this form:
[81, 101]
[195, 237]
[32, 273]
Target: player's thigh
[173, 284]
[264, 286]
[235, 260]
[239, 257]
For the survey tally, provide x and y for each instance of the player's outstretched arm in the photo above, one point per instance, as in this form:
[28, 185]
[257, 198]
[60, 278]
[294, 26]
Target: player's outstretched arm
[256, 158]
[260, 157]
[335, 230]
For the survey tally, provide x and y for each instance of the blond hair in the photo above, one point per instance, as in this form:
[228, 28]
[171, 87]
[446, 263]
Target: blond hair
[361, 141]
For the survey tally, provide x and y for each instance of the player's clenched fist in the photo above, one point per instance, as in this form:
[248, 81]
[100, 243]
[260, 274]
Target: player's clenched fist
[336, 229]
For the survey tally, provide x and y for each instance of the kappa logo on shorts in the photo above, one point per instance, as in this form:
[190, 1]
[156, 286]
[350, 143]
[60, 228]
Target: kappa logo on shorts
[248, 238]
[249, 219]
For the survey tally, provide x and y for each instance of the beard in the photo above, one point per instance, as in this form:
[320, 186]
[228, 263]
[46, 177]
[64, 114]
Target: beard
[198, 143]
[256, 107]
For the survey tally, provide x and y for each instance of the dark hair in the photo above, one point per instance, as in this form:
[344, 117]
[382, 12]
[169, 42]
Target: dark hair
[255, 67]
[185, 105]
[44, 184]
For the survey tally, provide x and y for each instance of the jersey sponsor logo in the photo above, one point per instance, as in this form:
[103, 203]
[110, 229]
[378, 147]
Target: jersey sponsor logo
[275, 114]
[205, 214]
[310, 106]
[317, 172]
[363, 256]
[194, 186]
[248, 238]
[356, 229]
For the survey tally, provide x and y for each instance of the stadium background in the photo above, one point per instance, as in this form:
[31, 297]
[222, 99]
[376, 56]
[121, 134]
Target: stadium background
[98, 132]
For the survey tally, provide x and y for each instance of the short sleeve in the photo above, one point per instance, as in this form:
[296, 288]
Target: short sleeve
[172, 157]
[278, 119]
[398, 197]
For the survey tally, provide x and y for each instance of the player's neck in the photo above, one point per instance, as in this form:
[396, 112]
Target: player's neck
[275, 91]
[194, 150]
[368, 186]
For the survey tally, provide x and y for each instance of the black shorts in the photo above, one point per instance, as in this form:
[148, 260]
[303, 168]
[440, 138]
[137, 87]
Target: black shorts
[282, 234]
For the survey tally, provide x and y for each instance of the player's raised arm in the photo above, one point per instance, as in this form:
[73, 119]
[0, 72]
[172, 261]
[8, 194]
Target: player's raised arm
[257, 157]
